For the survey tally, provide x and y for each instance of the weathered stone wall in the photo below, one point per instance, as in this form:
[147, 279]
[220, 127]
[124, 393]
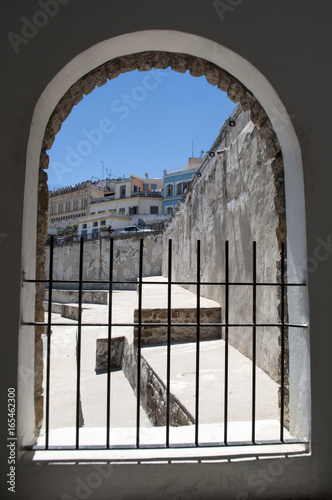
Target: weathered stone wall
[235, 199]
[157, 335]
[153, 391]
[97, 256]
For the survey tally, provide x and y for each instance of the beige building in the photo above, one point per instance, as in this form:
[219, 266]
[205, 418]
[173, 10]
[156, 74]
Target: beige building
[69, 204]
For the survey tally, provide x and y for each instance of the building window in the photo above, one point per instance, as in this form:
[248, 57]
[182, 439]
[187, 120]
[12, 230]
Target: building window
[169, 210]
[84, 226]
[121, 211]
[169, 190]
[181, 187]
[122, 191]
[153, 187]
[145, 187]
[154, 210]
[133, 210]
[103, 223]
[95, 224]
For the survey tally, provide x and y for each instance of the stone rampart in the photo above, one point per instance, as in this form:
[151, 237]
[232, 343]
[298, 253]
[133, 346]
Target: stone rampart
[234, 198]
[97, 260]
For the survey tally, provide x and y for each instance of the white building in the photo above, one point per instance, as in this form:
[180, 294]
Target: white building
[134, 200]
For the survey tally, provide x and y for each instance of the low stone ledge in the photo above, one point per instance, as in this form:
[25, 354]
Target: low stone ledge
[153, 391]
[56, 307]
[71, 296]
[157, 335]
[153, 394]
[69, 311]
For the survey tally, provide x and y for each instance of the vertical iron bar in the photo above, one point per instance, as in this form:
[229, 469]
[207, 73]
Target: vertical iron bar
[198, 313]
[109, 344]
[79, 341]
[254, 335]
[169, 319]
[139, 331]
[48, 348]
[226, 341]
[282, 361]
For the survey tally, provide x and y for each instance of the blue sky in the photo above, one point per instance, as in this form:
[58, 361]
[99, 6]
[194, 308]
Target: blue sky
[139, 122]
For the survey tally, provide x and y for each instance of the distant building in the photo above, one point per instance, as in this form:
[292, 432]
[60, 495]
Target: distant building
[134, 200]
[69, 204]
[176, 181]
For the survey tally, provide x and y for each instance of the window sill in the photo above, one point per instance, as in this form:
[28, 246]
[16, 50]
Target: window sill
[169, 455]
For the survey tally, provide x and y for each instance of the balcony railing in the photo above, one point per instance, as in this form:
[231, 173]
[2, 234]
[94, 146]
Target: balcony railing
[152, 194]
[137, 194]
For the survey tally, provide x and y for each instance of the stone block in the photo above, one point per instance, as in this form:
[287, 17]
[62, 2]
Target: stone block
[70, 312]
[117, 344]
[257, 114]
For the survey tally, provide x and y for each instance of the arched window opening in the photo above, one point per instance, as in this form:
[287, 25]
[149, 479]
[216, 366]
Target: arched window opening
[191, 256]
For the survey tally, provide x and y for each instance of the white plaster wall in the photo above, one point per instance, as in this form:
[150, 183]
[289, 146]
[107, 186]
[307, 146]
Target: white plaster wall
[145, 204]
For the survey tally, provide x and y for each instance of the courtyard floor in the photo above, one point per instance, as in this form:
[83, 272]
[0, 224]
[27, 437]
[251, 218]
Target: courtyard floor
[183, 374]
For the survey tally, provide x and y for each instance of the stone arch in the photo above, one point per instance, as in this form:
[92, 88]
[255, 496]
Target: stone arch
[145, 61]
[201, 57]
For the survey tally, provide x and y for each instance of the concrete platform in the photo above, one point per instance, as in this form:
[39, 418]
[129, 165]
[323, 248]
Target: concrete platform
[123, 399]
[211, 386]
[93, 386]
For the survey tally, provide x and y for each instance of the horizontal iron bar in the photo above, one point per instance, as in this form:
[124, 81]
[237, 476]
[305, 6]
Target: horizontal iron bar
[222, 283]
[234, 325]
[175, 446]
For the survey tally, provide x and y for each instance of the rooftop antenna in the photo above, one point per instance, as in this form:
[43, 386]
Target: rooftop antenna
[192, 148]
[103, 170]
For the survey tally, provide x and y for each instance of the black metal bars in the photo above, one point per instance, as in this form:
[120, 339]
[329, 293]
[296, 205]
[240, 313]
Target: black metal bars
[48, 347]
[79, 346]
[282, 356]
[198, 319]
[226, 324]
[169, 319]
[109, 344]
[226, 342]
[254, 343]
[139, 334]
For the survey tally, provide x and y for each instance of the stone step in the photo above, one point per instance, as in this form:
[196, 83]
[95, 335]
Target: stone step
[56, 307]
[157, 335]
[71, 296]
[70, 311]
